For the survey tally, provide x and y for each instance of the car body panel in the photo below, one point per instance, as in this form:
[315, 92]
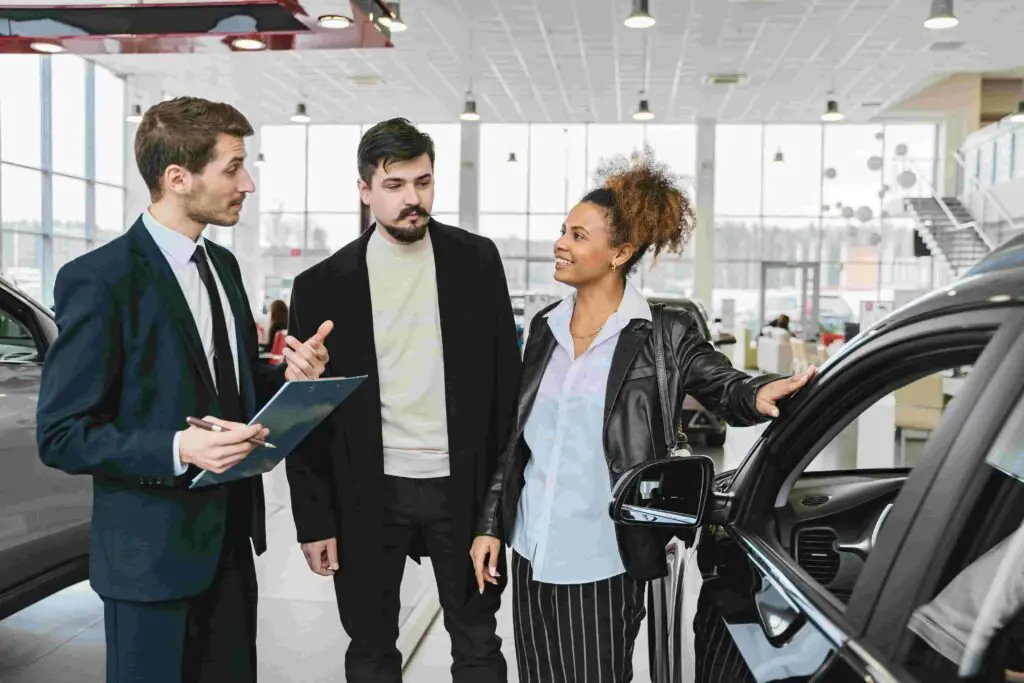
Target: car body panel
[45, 514]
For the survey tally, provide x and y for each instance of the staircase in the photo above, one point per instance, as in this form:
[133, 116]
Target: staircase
[956, 240]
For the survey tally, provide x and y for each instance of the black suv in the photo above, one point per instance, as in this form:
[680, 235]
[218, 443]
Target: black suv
[871, 533]
[44, 514]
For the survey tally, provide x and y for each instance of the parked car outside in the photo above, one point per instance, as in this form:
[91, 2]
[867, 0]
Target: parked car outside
[44, 514]
[826, 554]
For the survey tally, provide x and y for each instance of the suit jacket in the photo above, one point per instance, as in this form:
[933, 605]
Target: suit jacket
[126, 369]
[337, 477]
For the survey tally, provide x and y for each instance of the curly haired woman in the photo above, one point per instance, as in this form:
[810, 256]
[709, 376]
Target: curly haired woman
[589, 409]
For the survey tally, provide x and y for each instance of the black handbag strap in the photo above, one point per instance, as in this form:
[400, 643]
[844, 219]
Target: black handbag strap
[668, 418]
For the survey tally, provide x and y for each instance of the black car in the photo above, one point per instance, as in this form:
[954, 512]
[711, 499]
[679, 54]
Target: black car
[888, 559]
[44, 514]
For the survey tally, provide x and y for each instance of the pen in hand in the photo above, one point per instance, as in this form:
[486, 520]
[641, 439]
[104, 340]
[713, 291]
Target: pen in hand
[210, 427]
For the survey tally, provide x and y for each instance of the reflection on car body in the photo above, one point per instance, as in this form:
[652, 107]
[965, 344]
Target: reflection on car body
[44, 514]
[800, 571]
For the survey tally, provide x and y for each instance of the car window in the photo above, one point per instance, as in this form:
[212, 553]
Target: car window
[976, 618]
[16, 342]
[893, 431]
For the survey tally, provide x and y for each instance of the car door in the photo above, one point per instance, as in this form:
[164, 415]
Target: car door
[44, 513]
[771, 610]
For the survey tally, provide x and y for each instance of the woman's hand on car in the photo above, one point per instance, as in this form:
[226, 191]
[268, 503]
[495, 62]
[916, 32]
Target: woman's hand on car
[770, 394]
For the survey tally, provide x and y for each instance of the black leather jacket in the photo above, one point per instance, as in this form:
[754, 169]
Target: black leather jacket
[633, 431]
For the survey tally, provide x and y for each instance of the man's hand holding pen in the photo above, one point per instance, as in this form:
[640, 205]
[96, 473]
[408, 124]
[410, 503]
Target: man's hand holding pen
[219, 451]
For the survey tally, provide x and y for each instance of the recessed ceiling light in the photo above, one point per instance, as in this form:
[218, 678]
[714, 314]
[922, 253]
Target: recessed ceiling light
[46, 48]
[334, 21]
[248, 44]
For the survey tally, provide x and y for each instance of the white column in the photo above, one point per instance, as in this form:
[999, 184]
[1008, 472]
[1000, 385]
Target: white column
[704, 236]
[469, 177]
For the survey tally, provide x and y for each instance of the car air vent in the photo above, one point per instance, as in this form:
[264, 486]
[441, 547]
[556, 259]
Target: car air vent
[814, 552]
[814, 501]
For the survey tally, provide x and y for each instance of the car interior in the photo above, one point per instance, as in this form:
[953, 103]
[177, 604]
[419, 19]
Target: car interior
[829, 513]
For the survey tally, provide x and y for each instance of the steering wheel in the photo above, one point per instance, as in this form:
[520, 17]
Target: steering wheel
[863, 546]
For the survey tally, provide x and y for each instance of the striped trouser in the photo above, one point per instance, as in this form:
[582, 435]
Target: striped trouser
[576, 633]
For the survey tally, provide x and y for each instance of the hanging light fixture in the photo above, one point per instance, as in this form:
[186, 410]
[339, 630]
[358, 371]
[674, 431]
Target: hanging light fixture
[512, 158]
[469, 110]
[832, 113]
[393, 21]
[260, 160]
[300, 115]
[641, 15]
[643, 112]
[779, 159]
[136, 114]
[1019, 116]
[941, 16]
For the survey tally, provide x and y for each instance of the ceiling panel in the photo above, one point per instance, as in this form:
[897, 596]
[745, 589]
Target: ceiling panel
[573, 60]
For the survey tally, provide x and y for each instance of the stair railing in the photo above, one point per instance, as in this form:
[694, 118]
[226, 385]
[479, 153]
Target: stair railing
[957, 225]
[986, 192]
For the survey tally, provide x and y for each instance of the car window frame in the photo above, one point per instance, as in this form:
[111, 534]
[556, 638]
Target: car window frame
[754, 509]
[25, 316]
[936, 527]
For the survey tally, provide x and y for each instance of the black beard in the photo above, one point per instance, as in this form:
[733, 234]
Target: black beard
[406, 235]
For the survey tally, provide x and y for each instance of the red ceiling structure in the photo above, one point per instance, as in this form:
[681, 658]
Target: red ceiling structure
[186, 27]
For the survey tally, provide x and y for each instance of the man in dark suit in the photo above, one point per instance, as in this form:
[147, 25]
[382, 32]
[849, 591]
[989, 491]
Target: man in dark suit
[155, 327]
[402, 471]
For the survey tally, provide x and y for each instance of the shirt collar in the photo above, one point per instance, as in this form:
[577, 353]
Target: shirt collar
[633, 306]
[176, 246]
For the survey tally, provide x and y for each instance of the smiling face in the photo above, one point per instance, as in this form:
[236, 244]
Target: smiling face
[401, 196]
[214, 195]
[584, 254]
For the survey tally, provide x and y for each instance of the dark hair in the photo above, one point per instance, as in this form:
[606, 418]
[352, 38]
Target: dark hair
[645, 206]
[390, 141]
[278, 314]
[183, 132]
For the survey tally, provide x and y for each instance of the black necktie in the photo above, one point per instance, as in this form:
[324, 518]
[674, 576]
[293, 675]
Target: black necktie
[223, 360]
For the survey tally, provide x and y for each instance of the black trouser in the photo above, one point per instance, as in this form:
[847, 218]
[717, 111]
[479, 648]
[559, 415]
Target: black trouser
[575, 633]
[413, 507]
[208, 638]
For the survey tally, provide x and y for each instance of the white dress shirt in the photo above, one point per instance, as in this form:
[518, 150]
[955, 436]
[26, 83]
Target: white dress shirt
[178, 249]
[563, 527]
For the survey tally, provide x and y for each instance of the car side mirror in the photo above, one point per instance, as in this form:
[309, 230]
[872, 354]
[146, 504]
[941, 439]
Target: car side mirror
[671, 492]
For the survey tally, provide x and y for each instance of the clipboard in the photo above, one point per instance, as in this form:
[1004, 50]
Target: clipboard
[291, 415]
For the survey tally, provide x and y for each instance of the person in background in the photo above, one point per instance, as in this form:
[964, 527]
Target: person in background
[401, 470]
[155, 327]
[277, 321]
[590, 409]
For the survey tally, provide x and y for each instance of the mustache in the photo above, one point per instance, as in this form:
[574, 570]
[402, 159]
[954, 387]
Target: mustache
[413, 210]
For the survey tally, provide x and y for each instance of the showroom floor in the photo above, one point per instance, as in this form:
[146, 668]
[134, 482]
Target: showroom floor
[60, 639]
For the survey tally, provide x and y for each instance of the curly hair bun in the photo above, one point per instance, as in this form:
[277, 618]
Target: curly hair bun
[654, 212]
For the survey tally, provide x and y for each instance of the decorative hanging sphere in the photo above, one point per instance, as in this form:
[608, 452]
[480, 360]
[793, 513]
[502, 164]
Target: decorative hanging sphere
[907, 179]
[830, 173]
[901, 150]
[864, 214]
[875, 163]
[847, 212]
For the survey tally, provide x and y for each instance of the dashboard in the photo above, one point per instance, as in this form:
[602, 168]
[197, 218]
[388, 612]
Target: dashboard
[831, 523]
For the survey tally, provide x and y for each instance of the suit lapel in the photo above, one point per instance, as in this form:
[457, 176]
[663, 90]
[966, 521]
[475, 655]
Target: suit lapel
[169, 291]
[239, 311]
[631, 340]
